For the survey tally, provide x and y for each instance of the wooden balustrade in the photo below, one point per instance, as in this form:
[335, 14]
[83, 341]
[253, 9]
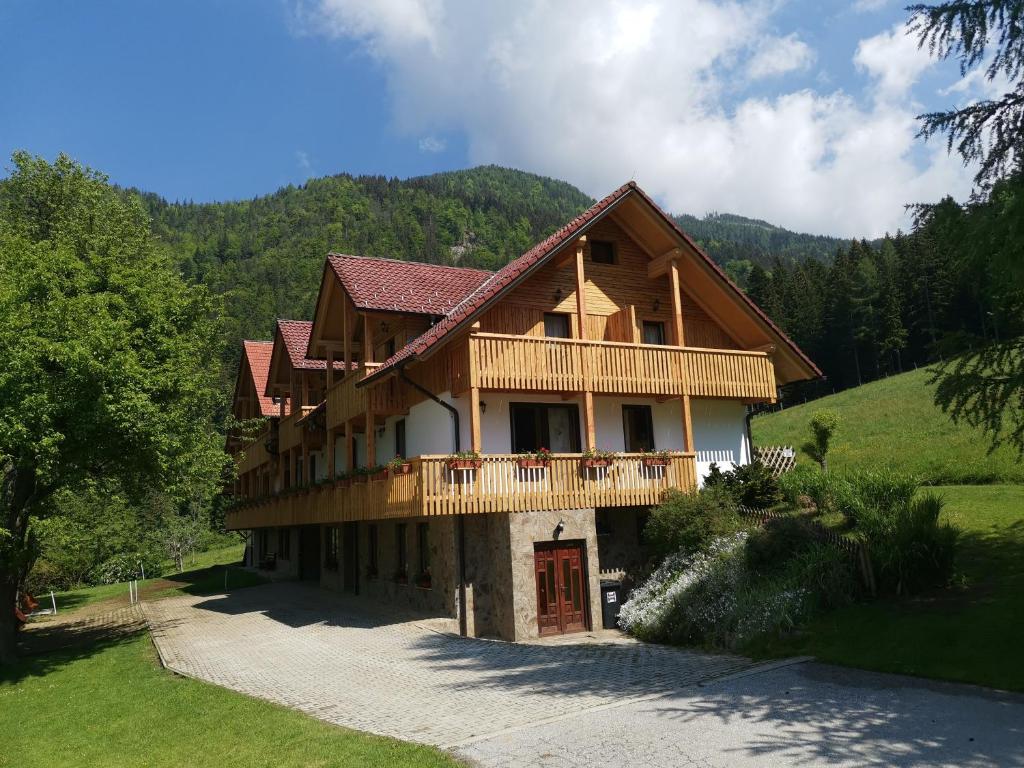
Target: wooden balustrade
[347, 401]
[529, 363]
[253, 455]
[498, 485]
[290, 431]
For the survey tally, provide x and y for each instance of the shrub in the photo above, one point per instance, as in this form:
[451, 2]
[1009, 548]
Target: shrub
[874, 489]
[751, 485]
[823, 427]
[827, 573]
[772, 545]
[910, 549]
[687, 522]
[127, 566]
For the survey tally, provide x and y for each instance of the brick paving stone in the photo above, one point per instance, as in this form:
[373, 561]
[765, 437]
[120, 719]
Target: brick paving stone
[334, 658]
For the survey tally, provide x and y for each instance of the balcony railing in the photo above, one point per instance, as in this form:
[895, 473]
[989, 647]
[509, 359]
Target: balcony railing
[290, 431]
[530, 363]
[346, 401]
[500, 484]
[254, 455]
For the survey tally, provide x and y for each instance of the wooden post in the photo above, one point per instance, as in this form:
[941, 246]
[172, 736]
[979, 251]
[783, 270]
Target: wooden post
[581, 289]
[371, 439]
[367, 355]
[350, 463]
[588, 418]
[330, 368]
[687, 425]
[331, 450]
[677, 304]
[346, 344]
[474, 418]
[307, 476]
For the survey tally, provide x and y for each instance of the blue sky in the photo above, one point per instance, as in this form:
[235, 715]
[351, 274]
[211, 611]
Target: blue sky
[780, 110]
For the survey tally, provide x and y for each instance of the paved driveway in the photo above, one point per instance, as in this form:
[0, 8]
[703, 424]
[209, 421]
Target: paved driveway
[570, 705]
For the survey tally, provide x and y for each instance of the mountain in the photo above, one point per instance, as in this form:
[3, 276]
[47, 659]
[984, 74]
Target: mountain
[264, 256]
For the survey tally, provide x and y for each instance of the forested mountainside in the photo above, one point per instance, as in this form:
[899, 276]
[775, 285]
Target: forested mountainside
[265, 255]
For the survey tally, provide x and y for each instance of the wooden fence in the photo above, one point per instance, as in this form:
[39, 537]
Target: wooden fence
[778, 459]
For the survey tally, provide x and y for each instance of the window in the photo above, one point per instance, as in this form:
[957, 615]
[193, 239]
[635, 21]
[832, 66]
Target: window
[354, 450]
[538, 425]
[389, 347]
[401, 554]
[312, 468]
[602, 522]
[602, 252]
[642, 516]
[400, 438]
[284, 543]
[332, 548]
[638, 428]
[654, 332]
[556, 325]
[372, 542]
[264, 543]
[423, 547]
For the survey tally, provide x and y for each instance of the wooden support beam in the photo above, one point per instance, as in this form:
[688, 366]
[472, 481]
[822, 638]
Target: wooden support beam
[346, 330]
[474, 419]
[350, 454]
[581, 289]
[331, 450]
[588, 420]
[367, 351]
[677, 305]
[660, 265]
[687, 425]
[371, 439]
[330, 368]
[307, 476]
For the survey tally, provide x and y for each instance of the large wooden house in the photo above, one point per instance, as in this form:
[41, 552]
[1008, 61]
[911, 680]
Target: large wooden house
[615, 344]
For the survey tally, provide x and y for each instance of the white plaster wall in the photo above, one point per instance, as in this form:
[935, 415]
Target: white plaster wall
[429, 430]
[719, 434]
[667, 417]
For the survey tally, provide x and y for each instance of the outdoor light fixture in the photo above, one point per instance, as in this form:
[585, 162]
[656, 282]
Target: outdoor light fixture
[560, 528]
[558, 294]
[657, 304]
[483, 406]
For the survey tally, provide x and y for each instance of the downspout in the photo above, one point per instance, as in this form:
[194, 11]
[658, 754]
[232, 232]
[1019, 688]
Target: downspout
[463, 623]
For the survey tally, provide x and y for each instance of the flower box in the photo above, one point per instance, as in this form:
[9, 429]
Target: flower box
[423, 581]
[401, 578]
[597, 462]
[465, 463]
[655, 462]
[344, 482]
[401, 469]
[360, 478]
[378, 476]
[533, 463]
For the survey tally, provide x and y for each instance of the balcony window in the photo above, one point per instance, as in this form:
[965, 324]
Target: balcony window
[637, 428]
[602, 251]
[539, 425]
[400, 438]
[654, 332]
[556, 325]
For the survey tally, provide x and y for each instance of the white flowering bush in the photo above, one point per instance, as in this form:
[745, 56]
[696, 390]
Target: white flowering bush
[712, 598]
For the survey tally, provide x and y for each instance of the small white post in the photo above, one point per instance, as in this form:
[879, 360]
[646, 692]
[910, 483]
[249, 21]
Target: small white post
[225, 579]
[142, 567]
[54, 601]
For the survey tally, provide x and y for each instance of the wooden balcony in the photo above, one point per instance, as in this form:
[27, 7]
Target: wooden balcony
[346, 401]
[253, 455]
[529, 363]
[499, 485]
[290, 430]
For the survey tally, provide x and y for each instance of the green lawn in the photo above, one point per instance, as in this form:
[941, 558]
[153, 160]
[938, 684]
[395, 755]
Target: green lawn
[971, 632]
[204, 577]
[894, 423]
[114, 705]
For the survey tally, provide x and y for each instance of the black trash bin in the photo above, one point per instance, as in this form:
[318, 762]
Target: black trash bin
[611, 601]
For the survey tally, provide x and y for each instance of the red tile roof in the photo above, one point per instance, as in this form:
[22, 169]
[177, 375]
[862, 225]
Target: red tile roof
[257, 354]
[391, 285]
[497, 283]
[295, 334]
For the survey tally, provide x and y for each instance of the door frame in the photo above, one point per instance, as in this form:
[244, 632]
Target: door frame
[580, 545]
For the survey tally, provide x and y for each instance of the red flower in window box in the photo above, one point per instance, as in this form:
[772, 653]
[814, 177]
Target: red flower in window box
[464, 460]
[593, 457]
[534, 459]
[656, 458]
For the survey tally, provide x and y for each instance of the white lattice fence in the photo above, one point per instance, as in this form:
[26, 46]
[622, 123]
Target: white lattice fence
[777, 458]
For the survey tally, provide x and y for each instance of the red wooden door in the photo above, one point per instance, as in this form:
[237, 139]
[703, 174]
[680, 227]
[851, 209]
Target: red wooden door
[561, 579]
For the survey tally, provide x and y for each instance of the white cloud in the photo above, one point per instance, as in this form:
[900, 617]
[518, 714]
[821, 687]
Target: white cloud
[894, 59]
[779, 55]
[869, 6]
[302, 158]
[432, 144]
[598, 91]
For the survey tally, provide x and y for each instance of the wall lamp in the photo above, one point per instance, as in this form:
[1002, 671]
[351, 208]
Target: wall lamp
[558, 294]
[657, 304]
[483, 406]
[559, 529]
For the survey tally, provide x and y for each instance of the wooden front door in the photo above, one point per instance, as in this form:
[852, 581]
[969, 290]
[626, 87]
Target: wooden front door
[561, 588]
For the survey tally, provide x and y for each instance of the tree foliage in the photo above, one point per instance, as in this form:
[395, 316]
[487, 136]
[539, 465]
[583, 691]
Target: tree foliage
[983, 32]
[106, 356]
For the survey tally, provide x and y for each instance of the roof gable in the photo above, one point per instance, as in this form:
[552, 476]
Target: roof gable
[256, 358]
[498, 284]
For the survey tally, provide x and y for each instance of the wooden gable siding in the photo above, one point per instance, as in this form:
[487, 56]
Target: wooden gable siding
[611, 290]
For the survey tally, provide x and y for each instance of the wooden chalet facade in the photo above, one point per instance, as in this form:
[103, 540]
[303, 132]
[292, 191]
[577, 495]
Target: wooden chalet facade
[613, 338]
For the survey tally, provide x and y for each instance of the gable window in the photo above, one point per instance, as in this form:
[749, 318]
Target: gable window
[400, 438]
[539, 425]
[556, 325]
[602, 251]
[654, 332]
[284, 543]
[637, 428]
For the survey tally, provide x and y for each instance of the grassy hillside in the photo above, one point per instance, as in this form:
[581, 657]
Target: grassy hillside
[894, 423]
